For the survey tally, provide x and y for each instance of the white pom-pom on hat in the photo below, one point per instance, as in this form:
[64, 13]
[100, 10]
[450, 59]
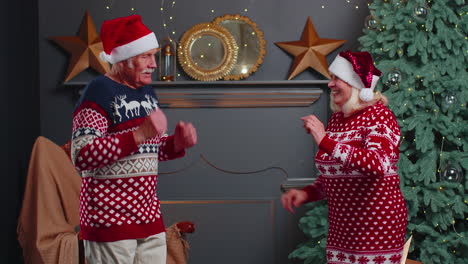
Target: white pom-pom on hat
[104, 57]
[366, 94]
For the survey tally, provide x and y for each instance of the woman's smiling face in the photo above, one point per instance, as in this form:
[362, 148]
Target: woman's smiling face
[340, 91]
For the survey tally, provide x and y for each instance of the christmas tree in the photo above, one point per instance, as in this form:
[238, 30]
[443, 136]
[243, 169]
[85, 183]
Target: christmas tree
[421, 48]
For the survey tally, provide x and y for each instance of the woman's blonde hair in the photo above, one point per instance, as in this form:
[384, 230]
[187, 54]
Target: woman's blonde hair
[355, 103]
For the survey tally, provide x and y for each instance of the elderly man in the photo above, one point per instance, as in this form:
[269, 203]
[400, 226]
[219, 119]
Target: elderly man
[119, 135]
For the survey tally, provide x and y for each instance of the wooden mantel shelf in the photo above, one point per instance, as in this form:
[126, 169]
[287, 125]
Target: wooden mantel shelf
[193, 94]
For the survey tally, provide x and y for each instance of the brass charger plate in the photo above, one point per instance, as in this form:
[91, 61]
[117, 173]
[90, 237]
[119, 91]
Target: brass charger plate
[250, 43]
[207, 52]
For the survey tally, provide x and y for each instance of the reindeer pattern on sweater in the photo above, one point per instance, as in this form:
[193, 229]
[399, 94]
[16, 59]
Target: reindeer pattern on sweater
[118, 198]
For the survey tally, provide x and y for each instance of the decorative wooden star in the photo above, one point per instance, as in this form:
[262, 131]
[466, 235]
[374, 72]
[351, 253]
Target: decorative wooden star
[84, 49]
[310, 51]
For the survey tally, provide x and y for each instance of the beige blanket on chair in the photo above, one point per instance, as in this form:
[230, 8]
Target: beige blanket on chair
[50, 211]
[177, 246]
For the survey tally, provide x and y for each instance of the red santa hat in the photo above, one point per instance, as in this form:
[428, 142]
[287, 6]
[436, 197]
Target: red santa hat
[358, 70]
[125, 37]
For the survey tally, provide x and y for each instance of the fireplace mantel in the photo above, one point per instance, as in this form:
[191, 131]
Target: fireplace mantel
[194, 94]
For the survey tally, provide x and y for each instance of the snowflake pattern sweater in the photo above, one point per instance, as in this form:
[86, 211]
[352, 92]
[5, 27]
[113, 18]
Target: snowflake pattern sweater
[367, 212]
[118, 197]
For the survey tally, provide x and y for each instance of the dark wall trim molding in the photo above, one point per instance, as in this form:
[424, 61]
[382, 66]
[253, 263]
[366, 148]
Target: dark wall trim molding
[188, 94]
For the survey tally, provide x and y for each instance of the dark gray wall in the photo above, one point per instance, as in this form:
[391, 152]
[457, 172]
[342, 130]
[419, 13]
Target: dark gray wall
[279, 20]
[237, 139]
[19, 106]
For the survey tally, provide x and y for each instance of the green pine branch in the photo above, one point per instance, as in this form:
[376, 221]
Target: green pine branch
[424, 44]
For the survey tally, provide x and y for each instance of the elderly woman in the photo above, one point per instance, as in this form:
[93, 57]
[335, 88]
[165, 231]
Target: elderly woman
[357, 157]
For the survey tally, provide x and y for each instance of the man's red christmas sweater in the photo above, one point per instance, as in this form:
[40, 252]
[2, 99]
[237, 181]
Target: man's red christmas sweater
[118, 198]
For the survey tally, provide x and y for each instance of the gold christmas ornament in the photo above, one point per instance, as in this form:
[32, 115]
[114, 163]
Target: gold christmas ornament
[310, 51]
[84, 49]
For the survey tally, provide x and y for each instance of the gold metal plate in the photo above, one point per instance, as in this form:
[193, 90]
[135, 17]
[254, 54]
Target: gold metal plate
[250, 43]
[207, 52]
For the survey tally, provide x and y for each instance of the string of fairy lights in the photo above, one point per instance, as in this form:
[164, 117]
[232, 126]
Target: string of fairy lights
[167, 8]
[167, 5]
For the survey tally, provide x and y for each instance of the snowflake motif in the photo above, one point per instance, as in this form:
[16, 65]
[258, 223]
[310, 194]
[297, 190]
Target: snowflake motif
[346, 170]
[395, 258]
[341, 256]
[322, 169]
[379, 259]
[353, 134]
[333, 136]
[332, 170]
[362, 132]
[393, 138]
[352, 259]
[330, 255]
[341, 137]
[343, 148]
[363, 260]
[381, 129]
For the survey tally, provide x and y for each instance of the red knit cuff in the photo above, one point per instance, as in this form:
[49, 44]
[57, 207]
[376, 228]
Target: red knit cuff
[313, 193]
[328, 145]
[169, 149]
